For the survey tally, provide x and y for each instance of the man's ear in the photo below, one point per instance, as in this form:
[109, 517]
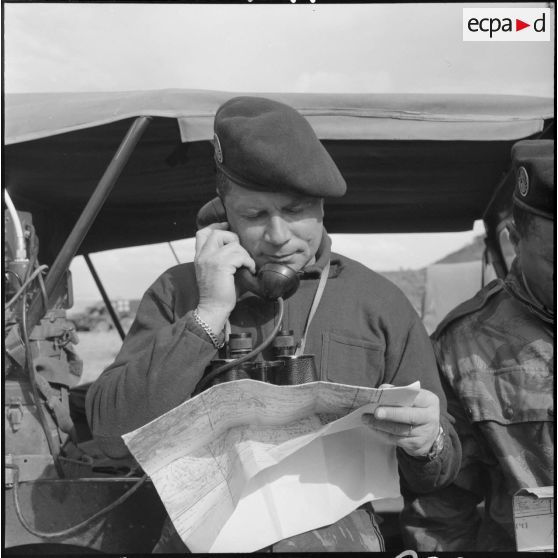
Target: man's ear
[514, 236]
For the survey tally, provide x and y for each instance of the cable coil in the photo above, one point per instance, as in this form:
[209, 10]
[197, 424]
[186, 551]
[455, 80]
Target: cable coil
[74, 528]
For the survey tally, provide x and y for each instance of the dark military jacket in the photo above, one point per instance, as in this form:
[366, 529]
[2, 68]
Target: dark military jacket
[364, 332]
[496, 353]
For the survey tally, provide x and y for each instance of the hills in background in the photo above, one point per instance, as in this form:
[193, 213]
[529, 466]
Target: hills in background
[412, 281]
[469, 253]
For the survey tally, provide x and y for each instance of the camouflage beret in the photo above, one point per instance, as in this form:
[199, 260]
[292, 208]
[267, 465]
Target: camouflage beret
[265, 145]
[533, 162]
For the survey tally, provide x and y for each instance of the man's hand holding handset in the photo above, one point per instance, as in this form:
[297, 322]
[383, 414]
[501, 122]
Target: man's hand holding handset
[218, 255]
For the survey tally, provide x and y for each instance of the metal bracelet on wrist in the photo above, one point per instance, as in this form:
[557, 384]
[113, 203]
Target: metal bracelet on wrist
[437, 446]
[208, 330]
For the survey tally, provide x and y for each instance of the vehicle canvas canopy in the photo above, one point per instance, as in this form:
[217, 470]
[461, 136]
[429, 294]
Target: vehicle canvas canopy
[413, 163]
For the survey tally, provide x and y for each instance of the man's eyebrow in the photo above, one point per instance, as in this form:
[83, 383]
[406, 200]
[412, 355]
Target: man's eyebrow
[298, 201]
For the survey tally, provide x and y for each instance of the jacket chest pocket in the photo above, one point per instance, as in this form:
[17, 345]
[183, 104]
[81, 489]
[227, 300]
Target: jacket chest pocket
[346, 360]
[511, 395]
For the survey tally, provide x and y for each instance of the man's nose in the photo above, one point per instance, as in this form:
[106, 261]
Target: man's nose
[277, 231]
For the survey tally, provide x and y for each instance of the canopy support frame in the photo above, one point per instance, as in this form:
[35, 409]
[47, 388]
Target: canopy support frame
[110, 308]
[88, 216]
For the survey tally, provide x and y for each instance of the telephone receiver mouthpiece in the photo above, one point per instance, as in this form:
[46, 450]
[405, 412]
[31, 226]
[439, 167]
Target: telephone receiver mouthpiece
[272, 281]
[278, 280]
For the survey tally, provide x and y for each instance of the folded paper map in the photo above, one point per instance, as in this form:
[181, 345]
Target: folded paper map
[246, 464]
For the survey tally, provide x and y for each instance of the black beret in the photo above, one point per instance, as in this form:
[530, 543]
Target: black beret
[533, 162]
[265, 145]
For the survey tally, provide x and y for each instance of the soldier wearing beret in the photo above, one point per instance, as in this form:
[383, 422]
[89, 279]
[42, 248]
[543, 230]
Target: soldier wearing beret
[496, 353]
[272, 177]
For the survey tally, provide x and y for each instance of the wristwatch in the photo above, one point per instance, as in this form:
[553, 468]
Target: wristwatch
[437, 446]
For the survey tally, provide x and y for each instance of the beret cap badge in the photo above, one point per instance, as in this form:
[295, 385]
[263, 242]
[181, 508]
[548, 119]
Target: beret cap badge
[533, 161]
[218, 150]
[522, 181]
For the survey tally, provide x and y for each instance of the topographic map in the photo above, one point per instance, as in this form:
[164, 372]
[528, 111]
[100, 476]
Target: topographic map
[246, 463]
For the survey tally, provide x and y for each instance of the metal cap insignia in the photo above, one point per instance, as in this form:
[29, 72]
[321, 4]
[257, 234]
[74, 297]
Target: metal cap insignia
[218, 150]
[522, 181]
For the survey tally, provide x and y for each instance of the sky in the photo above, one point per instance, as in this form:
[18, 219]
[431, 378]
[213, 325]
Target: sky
[250, 47]
[246, 47]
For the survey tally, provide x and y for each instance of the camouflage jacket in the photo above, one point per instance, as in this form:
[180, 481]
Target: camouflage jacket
[495, 353]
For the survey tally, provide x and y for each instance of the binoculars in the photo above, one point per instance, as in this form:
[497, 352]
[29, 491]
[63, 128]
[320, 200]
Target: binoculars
[286, 368]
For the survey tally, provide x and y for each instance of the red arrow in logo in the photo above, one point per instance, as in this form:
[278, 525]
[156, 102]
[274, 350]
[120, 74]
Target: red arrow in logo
[519, 25]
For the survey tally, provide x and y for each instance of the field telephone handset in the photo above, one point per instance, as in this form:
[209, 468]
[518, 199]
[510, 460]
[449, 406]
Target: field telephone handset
[272, 280]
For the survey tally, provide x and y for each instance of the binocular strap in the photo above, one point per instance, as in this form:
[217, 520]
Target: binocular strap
[317, 297]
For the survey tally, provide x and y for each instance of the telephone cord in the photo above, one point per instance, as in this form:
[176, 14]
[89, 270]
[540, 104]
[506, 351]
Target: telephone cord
[77, 527]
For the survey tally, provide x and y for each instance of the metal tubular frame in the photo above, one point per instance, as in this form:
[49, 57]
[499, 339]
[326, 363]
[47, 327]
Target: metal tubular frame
[88, 215]
[104, 295]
